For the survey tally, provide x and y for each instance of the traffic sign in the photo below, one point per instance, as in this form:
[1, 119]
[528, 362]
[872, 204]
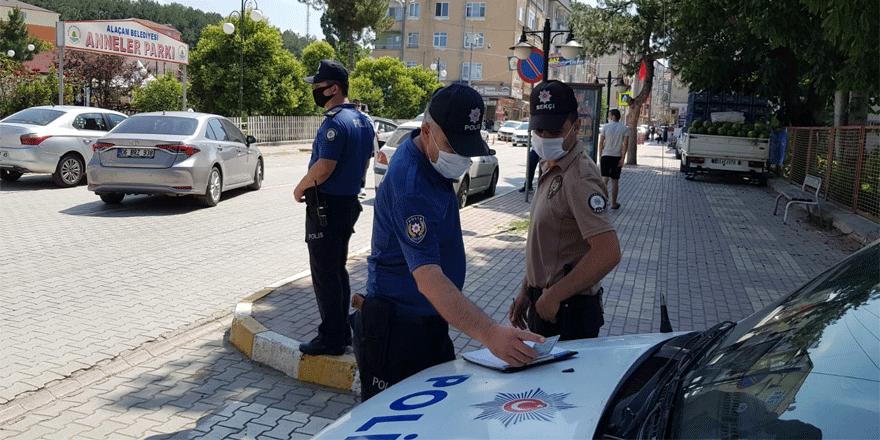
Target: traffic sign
[531, 69]
[624, 98]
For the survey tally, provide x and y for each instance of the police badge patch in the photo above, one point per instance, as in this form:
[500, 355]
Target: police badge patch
[554, 187]
[416, 228]
[597, 203]
[331, 134]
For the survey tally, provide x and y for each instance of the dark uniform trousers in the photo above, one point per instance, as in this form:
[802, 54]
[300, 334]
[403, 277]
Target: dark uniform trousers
[389, 347]
[328, 252]
[578, 317]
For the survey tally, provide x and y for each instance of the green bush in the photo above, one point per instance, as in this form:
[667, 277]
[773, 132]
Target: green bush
[165, 93]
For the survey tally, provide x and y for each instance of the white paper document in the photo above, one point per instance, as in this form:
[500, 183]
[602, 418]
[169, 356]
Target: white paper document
[485, 358]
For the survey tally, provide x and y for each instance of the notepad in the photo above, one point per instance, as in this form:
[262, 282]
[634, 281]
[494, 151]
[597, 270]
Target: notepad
[485, 358]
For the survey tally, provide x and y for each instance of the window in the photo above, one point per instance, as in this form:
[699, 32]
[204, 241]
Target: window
[473, 40]
[439, 39]
[115, 119]
[90, 121]
[412, 63]
[415, 9]
[396, 12]
[475, 10]
[441, 10]
[522, 15]
[471, 71]
[232, 132]
[215, 130]
[393, 42]
[532, 18]
[412, 39]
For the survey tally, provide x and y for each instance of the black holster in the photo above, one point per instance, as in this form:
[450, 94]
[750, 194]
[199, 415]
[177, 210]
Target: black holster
[580, 316]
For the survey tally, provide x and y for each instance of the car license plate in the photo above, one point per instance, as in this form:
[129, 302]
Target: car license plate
[725, 161]
[143, 153]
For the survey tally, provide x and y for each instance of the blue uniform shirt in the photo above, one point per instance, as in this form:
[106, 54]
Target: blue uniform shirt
[415, 222]
[345, 136]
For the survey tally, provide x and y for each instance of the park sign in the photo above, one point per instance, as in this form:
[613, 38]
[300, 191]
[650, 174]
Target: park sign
[123, 37]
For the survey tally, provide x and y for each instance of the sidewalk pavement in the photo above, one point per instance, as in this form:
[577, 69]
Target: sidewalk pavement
[270, 324]
[712, 246]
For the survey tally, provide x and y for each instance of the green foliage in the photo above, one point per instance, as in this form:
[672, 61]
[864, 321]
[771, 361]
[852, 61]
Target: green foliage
[391, 89]
[295, 43]
[348, 20]
[20, 89]
[14, 36]
[165, 93]
[315, 52]
[271, 81]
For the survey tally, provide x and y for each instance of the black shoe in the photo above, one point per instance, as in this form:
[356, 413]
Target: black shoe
[522, 190]
[318, 347]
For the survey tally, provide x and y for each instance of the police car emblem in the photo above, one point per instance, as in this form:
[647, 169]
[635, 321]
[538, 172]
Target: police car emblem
[416, 228]
[331, 134]
[554, 187]
[597, 203]
[512, 408]
[475, 115]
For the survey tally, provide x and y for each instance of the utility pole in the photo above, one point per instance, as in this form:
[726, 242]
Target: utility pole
[403, 41]
[471, 62]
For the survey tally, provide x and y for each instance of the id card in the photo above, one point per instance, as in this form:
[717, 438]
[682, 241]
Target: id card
[545, 348]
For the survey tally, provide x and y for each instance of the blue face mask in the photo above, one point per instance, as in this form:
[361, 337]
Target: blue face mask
[450, 165]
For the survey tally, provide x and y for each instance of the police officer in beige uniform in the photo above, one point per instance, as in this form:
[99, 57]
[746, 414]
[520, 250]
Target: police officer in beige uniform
[571, 243]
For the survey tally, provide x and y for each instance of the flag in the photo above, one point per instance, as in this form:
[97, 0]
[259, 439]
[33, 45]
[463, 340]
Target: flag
[642, 73]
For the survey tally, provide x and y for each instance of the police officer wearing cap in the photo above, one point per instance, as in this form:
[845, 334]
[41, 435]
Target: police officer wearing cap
[417, 266]
[340, 154]
[571, 242]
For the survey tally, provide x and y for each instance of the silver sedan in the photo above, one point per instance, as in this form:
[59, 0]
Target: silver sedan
[54, 139]
[177, 154]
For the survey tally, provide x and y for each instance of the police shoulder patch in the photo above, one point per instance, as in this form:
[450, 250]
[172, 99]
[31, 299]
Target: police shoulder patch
[598, 203]
[330, 134]
[416, 228]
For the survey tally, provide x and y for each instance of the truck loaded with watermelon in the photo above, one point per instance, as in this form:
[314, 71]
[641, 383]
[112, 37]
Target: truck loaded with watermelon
[726, 138]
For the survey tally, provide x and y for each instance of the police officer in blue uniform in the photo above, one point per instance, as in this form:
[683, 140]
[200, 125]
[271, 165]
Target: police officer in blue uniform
[417, 266]
[340, 155]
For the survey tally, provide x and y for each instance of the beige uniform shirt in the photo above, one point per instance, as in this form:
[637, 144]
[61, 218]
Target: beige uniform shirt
[569, 206]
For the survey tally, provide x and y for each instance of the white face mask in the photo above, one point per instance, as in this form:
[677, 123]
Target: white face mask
[450, 165]
[550, 149]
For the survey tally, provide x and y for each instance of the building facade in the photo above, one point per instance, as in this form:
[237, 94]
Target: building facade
[469, 42]
[40, 22]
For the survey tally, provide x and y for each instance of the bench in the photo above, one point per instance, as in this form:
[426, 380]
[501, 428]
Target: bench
[807, 194]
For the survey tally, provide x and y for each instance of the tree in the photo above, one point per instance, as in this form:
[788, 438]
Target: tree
[295, 43]
[347, 20]
[634, 27]
[110, 77]
[164, 93]
[391, 89]
[14, 36]
[272, 84]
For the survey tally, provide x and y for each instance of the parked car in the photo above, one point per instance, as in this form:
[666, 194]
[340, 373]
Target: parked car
[482, 176]
[384, 128]
[521, 135]
[176, 154]
[54, 139]
[805, 366]
[505, 133]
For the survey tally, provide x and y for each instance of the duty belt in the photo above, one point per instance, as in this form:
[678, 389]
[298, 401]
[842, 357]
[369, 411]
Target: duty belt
[533, 293]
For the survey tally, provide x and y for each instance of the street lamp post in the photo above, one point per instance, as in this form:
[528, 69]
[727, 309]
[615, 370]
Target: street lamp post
[11, 53]
[571, 49]
[436, 66]
[619, 87]
[229, 28]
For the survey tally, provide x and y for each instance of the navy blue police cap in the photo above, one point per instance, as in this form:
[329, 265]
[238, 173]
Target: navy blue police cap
[550, 104]
[458, 110]
[328, 70]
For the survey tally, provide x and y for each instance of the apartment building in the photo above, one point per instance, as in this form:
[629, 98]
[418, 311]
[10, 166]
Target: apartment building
[469, 42]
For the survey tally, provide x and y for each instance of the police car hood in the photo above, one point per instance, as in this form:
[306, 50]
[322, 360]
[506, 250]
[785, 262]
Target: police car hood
[458, 399]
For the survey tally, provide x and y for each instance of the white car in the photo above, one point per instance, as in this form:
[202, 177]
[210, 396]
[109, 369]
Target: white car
[54, 139]
[521, 135]
[505, 133]
[805, 366]
[383, 128]
[482, 176]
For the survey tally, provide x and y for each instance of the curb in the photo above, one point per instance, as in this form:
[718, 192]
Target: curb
[281, 353]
